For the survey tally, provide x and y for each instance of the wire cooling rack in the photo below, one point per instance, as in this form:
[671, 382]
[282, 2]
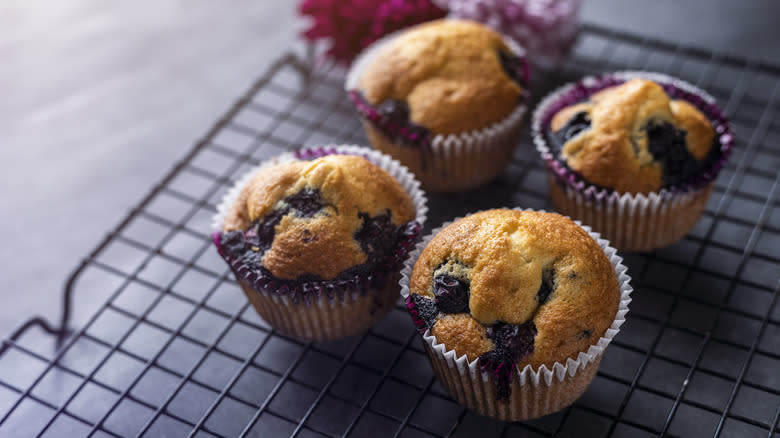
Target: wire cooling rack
[163, 343]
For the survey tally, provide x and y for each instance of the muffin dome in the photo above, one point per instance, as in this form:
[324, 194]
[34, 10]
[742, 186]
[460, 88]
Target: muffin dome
[329, 218]
[633, 138]
[445, 76]
[514, 287]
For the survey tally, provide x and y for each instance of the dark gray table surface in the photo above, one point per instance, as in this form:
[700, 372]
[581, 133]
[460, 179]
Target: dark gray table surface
[99, 99]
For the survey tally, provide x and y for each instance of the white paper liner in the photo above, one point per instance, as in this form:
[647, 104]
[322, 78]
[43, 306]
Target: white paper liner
[535, 392]
[454, 161]
[330, 320]
[319, 318]
[632, 222]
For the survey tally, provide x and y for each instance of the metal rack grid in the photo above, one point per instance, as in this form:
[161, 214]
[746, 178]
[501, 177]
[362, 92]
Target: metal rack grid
[165, 344]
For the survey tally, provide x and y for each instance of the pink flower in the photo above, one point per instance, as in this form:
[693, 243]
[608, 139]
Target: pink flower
[351, 25]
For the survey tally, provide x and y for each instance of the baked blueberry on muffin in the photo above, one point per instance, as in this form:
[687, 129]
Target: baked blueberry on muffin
[331, 230]
[512, 289]
[633, 138]
[447, 81]
[632, 154]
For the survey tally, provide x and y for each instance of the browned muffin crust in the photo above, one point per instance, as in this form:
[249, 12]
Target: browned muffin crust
[604, 155]
[323, 244]
[450, 74]
[503, 254]
[464, 331]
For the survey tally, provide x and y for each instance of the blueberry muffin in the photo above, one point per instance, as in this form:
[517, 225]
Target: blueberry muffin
[633, 138]
[642, 149]
[510, 290]
[440, 95]
[316, 244]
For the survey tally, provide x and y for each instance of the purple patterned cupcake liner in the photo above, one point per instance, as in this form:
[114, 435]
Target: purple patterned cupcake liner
[412, 135]
[534, 392]
[587, 86]
[350, 284]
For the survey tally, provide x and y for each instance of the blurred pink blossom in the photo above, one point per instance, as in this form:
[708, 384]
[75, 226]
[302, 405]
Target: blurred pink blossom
[351, 25]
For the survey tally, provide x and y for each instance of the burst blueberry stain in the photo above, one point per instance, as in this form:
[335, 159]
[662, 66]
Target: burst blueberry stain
[399, 114]
[584, 334]
[377, 235]
[394, 109]
[547, 286]
[513, 66]
[259, 235]
[667, 144]
[423, 310]
[512, 343]
[575, 125]
[452, 295]
[306, 203]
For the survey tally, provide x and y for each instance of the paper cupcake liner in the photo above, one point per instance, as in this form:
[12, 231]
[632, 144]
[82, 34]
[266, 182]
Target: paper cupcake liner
[632, 222]
[326, 310]
[534, 392]
[320, 318]
[442, 162]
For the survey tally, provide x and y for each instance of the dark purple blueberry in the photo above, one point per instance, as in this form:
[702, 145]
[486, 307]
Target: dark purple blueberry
[306, 203]
[662, 134]
[578, 123]
[254, 241]
[713, 157]
[232, 242]
[394, 109]
[425, 309]
[667, 144]
[259, 237]
[262, 232]
[377, 236]
[452, 295]
[512, 343]
[513, 66]
[398, 124]
[584, 334]
[546, 288]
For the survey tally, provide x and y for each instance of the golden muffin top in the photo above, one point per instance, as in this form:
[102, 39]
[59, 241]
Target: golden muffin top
[318, 218]
[452, 76]
[528, 287]
[633, 138]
